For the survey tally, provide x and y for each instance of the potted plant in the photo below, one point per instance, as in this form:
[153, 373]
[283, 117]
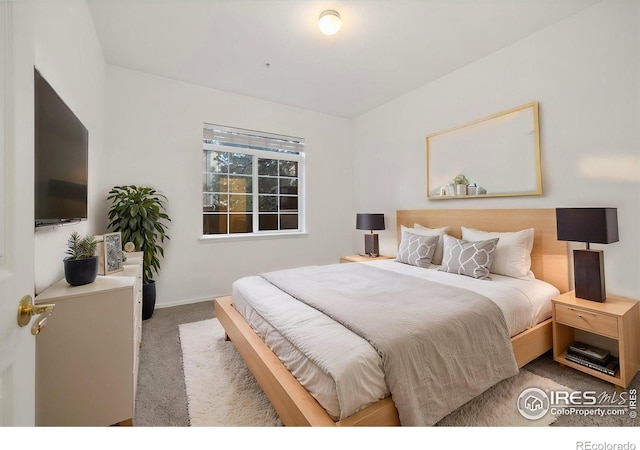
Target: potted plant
[81, 266]
[461, 183]
[138, 212]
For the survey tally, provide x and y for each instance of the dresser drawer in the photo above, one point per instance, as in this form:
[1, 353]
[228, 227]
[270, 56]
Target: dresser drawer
[587, 320]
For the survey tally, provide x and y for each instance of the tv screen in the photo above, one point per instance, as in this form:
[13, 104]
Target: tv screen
[61, 159]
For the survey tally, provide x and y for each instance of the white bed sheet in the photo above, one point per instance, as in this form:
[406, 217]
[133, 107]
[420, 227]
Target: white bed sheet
[524, 303]
[339, 368]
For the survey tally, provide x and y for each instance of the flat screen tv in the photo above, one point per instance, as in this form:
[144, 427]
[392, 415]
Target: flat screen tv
[61, 159]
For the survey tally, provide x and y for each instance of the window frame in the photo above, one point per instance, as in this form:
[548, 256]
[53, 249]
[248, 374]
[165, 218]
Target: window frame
[256, 154]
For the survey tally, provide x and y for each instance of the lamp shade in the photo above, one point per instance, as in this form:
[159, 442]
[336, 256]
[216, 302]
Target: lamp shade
[370, 222]
[592, 225]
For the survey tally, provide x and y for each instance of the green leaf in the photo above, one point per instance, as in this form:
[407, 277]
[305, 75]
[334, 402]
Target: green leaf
[138, 212]
[81, 247]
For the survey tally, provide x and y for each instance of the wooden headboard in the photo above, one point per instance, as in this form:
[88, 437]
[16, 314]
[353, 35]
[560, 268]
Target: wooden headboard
[549, 257]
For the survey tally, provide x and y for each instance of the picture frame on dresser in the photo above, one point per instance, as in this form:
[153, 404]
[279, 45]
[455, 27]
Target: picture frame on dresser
[112, 253]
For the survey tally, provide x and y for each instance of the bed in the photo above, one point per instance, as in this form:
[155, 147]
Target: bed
[297, 399]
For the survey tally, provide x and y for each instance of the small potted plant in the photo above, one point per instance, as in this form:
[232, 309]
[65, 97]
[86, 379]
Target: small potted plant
[138, 212]
[461, 183]
[81, 266]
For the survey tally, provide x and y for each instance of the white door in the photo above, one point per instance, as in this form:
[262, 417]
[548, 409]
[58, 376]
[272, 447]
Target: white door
[17, 345]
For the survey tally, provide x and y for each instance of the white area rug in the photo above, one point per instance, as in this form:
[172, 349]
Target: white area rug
[222, 392]
[220, 389]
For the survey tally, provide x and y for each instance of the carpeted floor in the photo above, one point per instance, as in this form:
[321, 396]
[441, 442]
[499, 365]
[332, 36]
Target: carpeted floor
[162, 399]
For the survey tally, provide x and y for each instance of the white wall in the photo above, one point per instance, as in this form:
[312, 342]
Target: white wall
[154, 138]
[69, 56]
[584, 72]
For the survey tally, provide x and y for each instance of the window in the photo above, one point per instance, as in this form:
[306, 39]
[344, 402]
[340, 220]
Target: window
[252, 182]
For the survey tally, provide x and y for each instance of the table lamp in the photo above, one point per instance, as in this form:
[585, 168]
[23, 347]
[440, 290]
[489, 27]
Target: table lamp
[370, 222]
[593, 226]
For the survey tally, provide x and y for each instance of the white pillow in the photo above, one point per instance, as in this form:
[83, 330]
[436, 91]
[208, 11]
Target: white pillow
[424, 231]
[512, 257]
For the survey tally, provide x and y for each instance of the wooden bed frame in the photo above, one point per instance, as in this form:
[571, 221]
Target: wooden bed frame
[296, 406]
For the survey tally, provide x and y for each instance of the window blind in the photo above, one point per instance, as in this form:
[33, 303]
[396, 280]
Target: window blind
[258, 140]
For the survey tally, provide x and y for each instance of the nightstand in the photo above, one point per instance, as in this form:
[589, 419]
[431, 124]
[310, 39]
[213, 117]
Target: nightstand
[614, 324]
[360, 258]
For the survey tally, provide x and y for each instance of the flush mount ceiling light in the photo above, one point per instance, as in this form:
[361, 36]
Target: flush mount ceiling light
[329, 22]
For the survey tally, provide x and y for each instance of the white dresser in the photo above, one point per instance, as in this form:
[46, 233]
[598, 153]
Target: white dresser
[87, 354]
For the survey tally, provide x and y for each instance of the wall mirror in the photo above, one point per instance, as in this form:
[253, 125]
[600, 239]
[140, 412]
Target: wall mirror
[497, 156]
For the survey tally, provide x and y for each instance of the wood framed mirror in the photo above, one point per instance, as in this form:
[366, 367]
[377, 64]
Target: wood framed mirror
[498, 156]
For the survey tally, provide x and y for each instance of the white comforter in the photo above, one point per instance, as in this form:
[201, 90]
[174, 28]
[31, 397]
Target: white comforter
[323, 359]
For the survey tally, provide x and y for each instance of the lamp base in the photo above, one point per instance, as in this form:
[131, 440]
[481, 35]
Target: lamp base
[371, 245]
[588, 272]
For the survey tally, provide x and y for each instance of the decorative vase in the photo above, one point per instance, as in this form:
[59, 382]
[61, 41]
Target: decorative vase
[148, 299]
[450, 190]
[461, 189]
[80, 271]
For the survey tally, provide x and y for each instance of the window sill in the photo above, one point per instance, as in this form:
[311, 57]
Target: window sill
[250, 237]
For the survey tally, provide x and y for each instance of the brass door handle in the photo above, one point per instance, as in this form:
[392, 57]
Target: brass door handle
[27, 309]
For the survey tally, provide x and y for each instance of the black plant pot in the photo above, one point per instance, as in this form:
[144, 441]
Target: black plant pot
[80, 271]
[148, 299]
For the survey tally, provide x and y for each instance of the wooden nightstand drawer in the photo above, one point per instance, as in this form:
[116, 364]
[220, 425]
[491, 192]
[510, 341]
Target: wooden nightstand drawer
[587, 320]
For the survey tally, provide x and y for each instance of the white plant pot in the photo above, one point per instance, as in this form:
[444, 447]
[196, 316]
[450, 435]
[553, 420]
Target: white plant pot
[461, 189]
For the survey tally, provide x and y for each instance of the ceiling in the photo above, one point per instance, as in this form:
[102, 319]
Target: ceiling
[273, 50]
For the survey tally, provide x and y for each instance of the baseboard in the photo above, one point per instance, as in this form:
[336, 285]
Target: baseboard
[189, 301]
